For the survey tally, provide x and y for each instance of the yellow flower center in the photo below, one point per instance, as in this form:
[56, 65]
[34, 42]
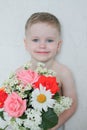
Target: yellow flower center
[41, 98]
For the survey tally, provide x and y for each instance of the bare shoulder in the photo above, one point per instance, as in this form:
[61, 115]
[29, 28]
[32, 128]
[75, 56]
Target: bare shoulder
[66, 74]
[62, 70]
[65, 71]
[66, 78]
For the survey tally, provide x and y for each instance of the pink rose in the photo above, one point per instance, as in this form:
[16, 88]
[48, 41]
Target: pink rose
[27, 76]
[14, 105]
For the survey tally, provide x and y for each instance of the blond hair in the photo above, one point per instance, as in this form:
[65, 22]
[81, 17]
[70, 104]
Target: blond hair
[45, 18]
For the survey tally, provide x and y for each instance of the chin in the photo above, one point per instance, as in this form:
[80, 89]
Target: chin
[43, 60]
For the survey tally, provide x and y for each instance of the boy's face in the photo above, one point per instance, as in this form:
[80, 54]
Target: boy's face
[42, 42]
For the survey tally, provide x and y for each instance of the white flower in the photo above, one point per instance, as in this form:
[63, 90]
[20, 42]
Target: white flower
[33, 119]
[1, 109]
[13, 126]
[19, 121]
[42, 99]
[6, 121]
[12, 74]
[6, 116]
[66, 102]
[63, 104]
[40, 64]
[12, 83]
[51, 73]
[28, 87]
[15, 81]
[3, 123]
[31, 124]
[58, 108]
[27, 65]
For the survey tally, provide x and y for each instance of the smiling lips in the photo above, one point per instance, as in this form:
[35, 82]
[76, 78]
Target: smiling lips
[42, 52]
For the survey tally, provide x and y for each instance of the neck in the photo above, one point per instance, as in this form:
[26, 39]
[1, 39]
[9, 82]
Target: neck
[49, 64]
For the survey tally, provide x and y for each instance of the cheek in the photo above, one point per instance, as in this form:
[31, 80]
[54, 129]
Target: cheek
[32, 48]
[54, 48]
[28, 48]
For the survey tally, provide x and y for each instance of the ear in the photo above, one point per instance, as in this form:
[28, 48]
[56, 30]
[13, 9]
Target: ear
[59, 44]
[25, 43]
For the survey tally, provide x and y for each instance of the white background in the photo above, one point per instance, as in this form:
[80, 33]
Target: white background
[73, 17]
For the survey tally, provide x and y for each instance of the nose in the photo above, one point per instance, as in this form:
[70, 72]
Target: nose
[42, 44]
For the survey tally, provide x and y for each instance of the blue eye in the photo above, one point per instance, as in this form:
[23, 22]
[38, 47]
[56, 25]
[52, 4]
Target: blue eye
[49, 41]
[35, 40]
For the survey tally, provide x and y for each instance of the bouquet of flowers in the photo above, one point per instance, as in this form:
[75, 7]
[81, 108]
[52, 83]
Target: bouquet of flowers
[30, 100]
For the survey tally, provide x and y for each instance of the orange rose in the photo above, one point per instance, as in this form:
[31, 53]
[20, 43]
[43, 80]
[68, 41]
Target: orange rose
[3, 96]
[49, 82]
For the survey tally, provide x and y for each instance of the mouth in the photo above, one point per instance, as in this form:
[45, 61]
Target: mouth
[42, 52]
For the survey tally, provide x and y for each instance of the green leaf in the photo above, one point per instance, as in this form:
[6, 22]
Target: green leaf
[27, 92]
[26, 68]
[22, 128]
[56, 96]
[23, 116]
[49, 119]
[1, 115]
[27, 129]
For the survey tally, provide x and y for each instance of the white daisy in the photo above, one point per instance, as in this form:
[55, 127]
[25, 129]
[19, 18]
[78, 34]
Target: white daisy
[42, 99]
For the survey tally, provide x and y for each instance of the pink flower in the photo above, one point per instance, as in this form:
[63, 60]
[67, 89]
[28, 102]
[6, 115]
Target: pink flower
[14, 105]
[27, 76]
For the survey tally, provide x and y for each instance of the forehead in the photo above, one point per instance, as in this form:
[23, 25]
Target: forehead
[43, 28]
[42, 24]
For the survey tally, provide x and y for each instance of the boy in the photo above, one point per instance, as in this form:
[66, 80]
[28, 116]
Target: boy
[43, 42]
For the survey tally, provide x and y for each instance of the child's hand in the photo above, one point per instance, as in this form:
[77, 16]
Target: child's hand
[54, 128]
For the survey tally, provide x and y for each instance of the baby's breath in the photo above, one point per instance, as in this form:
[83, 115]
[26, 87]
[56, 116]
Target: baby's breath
[62, 104]
[27, 65]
